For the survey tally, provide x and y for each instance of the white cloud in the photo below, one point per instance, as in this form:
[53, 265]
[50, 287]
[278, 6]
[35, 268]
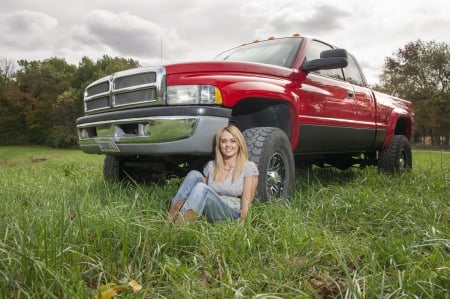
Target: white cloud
[125, 34]
[199, 29]
[27, 30]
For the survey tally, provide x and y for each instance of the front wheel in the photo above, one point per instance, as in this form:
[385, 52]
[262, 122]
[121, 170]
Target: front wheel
[271, 151]
[397, 157]
[113, 170]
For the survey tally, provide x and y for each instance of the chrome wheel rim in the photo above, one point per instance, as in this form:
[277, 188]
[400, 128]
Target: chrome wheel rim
[402, 161]
[276, 175]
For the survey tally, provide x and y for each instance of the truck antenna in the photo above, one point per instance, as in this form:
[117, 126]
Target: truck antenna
[161, 49]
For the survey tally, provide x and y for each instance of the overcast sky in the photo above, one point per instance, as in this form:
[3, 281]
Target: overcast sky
[167, 31]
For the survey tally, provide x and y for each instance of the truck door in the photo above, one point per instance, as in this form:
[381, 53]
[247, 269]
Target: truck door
[326, 109]
[365, 113]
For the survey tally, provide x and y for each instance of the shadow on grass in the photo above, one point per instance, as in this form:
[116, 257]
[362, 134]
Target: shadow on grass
[324, 176]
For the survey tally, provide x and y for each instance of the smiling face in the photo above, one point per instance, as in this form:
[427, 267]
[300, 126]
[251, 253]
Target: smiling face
[228, 145]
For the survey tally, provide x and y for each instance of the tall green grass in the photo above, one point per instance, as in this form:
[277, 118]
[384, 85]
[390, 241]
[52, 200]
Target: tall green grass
[64, 233]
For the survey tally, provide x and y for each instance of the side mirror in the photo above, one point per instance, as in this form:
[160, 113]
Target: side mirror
[329, 59]
[334, 53]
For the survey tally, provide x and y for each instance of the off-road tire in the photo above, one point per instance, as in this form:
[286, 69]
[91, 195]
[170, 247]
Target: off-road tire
[397, 157]
[113, 169]
[271, 151]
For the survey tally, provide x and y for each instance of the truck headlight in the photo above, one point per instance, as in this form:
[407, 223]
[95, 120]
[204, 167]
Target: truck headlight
[193, 94]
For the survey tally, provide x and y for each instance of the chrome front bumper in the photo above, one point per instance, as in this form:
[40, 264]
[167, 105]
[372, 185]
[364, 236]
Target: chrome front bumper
[169, 135]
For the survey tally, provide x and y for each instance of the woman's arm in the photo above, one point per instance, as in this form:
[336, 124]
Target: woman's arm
[250, 184]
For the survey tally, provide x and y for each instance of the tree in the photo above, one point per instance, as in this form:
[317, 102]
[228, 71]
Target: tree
[64, 133]
[12, 105]
[43, 100]
[7, 68]
[12, 112]
[420, 72]
[44, 81]
[108, 65]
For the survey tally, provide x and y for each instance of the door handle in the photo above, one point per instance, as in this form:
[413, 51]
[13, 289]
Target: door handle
[350, 94]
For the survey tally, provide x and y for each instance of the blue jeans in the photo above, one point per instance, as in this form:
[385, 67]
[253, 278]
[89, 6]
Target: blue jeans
[200, 198]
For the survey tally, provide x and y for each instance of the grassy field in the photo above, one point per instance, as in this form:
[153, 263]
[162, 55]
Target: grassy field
[65, 233]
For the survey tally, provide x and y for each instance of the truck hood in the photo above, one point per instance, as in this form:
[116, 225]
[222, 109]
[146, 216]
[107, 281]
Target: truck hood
[229, 67]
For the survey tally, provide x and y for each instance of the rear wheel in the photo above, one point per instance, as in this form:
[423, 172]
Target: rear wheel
[271, 150]
[397, 157]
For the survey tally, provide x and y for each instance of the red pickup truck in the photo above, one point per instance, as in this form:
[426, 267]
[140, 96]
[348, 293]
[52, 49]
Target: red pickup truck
[298, 100]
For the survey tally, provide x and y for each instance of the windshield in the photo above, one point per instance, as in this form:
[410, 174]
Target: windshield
[280, 52]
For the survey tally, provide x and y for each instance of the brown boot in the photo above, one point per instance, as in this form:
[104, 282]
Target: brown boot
[175, 209]
[189, 216]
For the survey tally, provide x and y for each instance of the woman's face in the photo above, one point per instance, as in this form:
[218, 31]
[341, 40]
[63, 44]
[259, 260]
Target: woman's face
[228, 145]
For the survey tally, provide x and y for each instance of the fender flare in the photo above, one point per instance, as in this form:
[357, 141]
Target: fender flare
[240, 91]
[392, 125]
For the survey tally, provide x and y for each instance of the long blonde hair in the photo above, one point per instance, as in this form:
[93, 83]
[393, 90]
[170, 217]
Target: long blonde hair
[242, 154]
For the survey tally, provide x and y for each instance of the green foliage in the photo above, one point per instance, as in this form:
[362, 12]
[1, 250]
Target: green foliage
[41, 104]
[44, 79]
[420, 72]
[354, 234]
[108, 65]
[12, 112]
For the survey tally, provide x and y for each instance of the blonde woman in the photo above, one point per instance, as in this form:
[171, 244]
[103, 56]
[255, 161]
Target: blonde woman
[227, 186]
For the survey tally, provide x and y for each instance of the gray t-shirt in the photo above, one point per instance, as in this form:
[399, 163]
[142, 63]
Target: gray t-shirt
[228, 191]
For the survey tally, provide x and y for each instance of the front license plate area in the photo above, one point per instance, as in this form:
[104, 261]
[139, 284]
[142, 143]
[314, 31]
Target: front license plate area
[107, 145]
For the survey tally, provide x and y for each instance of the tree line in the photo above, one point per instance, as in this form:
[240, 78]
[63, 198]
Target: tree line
[40, 102]
[420, 72]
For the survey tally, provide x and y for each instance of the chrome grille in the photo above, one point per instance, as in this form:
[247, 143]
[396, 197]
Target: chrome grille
[135, 87]
[134, 80]
[97, 103]
[134, 97]
[96, 89]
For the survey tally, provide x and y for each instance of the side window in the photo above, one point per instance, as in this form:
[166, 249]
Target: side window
[313, 52]
[352, 73]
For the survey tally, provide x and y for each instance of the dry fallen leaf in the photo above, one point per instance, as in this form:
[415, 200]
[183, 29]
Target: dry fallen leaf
[135, 286]
[111, 289]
